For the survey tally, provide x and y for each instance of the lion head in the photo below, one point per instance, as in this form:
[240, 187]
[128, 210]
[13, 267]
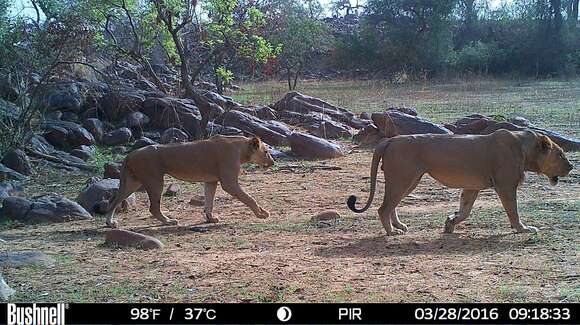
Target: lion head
[259, 153]
[551, 160]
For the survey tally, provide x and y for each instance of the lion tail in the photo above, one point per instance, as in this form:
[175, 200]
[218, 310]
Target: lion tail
[377, 156]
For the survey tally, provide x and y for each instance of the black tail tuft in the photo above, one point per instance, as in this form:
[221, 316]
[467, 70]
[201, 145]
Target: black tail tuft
[351, 202]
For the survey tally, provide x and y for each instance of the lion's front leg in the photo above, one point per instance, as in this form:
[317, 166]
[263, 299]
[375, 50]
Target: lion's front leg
[209, 189]
[234, 189]
[468, 197]
[507, 195]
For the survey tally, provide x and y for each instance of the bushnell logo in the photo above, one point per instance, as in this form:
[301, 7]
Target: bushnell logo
[35, 315]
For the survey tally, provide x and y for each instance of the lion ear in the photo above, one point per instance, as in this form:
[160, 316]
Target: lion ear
[545, 143]
[255, 142]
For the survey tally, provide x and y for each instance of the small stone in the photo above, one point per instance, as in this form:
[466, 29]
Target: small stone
[172, 190]
[125, 238]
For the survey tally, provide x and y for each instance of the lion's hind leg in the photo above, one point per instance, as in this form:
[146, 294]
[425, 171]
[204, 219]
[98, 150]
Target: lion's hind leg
[154, 188]
[128, 185]
[396, 188]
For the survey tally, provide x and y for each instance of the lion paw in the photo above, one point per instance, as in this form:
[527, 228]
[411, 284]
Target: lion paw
[528, 229]
[211, 219]
[112, 224]
[395, 232]
[171, 222]
[263, 214]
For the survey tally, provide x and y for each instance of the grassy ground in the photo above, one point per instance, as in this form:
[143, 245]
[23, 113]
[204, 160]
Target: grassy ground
[286, 258]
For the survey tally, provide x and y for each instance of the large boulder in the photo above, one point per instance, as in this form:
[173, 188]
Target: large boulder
[330, 130]
[83, 152]
[8, 174]
[95, 127]
[479, 124]
[173, 135]
[115, 105]
[8, 189]
[18, 160]
[61, 96]
[142, 142]
[309, 146]
[254, 126]
[136, 120]
[393, 123]
[46, 208]
[66, 135]
[8, 111]
[169, 112]
[97, 194]
[40, 145]
[215, 128]
[117, 137]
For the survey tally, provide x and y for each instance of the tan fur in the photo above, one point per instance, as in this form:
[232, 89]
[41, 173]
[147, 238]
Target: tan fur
[470, 162]
[218, 159]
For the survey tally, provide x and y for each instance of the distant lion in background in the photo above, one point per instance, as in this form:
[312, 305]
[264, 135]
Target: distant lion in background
[471, 162]
[217, 159]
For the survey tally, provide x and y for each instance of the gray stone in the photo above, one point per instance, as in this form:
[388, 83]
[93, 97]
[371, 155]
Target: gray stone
[43, 209]
[309, 146]
[18, 160]
[117, 137]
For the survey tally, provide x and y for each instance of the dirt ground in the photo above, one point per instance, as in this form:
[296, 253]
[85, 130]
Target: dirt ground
[286, 258]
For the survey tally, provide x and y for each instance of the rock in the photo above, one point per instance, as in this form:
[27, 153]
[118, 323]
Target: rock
[253, 126]
[41, 145]
[521, 121]
[369, 135]
[8, 174]
[62, 96]
[197, 200]
[113, 170]
[330, 130]
[83, 152]
[117, 137]
[43, 209]
[115, 105]
[136, 120]
[266, 113]
[8, 87]
[18, 160]
[5, 291]
[405, 110]
[365, 115]
[169, 112]
[393, 123]
[309, 146]
[97, 192]
[297, 102]
[214, 129]
[329, 215]
[172, 190]
[142, 142]
[95, 127]
[67, 135]
[69, 117]
[173, 135]
[8, 189]
[8, 111]
[25, 258]
[125, 238]
[223, 101]
[479, 124]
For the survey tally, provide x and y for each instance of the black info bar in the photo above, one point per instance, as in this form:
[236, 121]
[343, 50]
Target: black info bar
[290, 313]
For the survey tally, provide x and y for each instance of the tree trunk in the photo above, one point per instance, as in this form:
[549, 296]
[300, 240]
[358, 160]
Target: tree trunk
[289, 75]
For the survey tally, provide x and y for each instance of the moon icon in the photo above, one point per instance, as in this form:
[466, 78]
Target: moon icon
[284, 314]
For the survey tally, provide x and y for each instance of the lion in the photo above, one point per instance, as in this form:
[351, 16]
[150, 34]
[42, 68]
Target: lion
[217, 159]
[470, 162]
